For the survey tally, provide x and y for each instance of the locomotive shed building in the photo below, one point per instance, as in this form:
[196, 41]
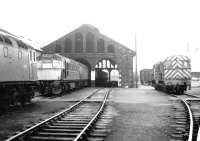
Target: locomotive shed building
[99, 52]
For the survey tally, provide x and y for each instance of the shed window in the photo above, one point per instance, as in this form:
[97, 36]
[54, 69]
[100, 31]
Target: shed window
[78, 42]
[58, 48]
[111, 48]
[68, 45]
[90, 42]
[5, 51]
[20, 55]
[100, 46]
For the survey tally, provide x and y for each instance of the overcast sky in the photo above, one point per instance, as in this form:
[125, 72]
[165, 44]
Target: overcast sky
[163, 27]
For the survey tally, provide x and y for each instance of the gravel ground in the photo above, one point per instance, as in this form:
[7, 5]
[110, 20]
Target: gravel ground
[72, 96]
[143, 115]
[21, 118]
[138, 114]
[194, 91]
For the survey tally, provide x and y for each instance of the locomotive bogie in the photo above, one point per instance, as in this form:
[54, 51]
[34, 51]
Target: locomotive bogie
[16, 93]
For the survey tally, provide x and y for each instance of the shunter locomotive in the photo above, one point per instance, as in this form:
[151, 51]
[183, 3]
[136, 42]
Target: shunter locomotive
[57, 74]
[18, 69]
[173, 74]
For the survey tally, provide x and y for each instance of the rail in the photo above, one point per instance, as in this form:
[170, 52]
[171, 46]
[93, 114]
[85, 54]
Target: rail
[23, 133]
[198, 135]
[190, 136]
[191, 120]
[93, 119]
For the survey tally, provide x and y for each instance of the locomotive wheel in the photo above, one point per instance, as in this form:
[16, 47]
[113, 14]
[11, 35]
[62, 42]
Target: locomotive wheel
[28, 98]
[4, 104]
[22, 100]
[67, 88]
[14, 99]
[56, 90]
[178, 91]
[44, 91]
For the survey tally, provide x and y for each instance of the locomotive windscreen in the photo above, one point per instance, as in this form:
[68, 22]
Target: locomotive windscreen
[49, 57]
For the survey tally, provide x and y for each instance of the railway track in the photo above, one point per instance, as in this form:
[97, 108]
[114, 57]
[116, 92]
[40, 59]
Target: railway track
[72, 124]
[188, 119]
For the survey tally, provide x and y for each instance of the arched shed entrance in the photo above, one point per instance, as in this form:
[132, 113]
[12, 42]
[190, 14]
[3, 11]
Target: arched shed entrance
[106, 73]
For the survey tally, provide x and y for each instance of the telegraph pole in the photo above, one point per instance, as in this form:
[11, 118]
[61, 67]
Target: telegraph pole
[136, 79]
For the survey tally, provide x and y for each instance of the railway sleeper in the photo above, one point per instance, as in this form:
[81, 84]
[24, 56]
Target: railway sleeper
[39, 138]
[73, 121]
[57, 134]
[95, 139]
[98, 134]
[180, 122]
[179, 125]
[62, 130]
[65, 127]
[179, 136]
[69, 124]
[81, 115]
[181, 129]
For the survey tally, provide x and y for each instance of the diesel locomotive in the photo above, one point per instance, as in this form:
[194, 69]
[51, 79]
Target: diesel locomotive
[18, 70]
[172, 75]
[57, 74]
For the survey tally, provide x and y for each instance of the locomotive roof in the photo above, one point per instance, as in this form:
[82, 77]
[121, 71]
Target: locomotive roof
[17, 38]
[59, 57]
[177, 57]
[54, 56]
[50, 56]
[174, 57]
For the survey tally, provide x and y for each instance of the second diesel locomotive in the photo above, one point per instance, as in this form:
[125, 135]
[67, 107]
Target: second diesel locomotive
[173, 74]
[57, 74]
